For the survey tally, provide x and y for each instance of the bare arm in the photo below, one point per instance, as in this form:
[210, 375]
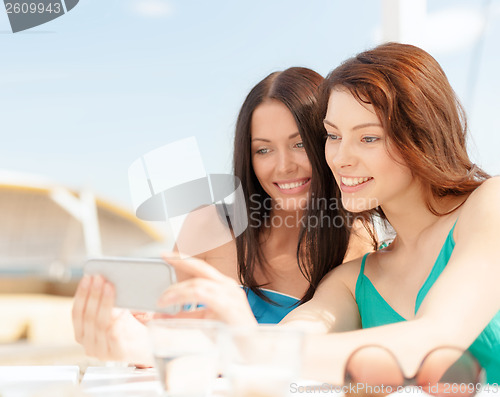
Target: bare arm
[455, 311]
[333, 307]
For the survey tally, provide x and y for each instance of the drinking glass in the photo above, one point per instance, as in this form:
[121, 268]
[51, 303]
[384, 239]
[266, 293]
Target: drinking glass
[262, 361]
[187, 355]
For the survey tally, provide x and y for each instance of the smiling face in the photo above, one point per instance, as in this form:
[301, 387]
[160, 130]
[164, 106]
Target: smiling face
[366, 166]
[279, 159]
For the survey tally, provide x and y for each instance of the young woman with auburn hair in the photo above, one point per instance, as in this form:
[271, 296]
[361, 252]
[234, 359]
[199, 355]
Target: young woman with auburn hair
[275, 259]
[396, 144]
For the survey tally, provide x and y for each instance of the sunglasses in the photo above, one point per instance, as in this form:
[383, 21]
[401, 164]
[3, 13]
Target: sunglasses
[444, 372]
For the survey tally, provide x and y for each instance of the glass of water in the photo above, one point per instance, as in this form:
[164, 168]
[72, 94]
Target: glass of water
[187, 355]
[262, 361]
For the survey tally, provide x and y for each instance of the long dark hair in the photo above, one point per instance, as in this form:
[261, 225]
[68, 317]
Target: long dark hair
[419, 111]
[317, 253]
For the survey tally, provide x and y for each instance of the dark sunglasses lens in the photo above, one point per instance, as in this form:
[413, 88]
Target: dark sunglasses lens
[372, 371]
[449, 372]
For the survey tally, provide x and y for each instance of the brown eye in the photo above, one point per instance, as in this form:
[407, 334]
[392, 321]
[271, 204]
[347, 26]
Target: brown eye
[370, 139]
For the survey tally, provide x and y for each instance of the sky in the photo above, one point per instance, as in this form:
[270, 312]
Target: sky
[85, 95]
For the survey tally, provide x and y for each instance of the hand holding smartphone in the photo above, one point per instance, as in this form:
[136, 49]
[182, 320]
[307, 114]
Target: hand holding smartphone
[138, 282]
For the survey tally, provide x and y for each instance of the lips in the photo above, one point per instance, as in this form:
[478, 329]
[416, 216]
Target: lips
[293, 186]
[351, 182]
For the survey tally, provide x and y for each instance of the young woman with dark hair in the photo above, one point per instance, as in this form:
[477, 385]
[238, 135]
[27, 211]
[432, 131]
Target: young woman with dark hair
[276, 259]
[293, 92]
[396, 144]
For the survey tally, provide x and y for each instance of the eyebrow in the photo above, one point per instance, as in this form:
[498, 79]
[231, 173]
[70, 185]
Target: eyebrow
[294, 135]
[358, 127]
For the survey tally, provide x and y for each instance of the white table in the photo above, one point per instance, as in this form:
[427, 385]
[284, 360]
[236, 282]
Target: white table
[21, 381]
[121, 381]
[63, 381]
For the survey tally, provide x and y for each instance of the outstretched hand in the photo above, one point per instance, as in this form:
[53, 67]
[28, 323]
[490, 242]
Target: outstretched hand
[113, 334]
[221, 296]
[105, 332]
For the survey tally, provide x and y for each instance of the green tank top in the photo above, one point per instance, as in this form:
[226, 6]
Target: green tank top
[375, 311]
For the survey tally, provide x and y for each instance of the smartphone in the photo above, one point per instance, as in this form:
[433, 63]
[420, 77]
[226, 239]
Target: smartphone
[138, 282]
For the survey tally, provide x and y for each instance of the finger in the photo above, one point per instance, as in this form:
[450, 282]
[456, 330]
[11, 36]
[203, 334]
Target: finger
[128, 338]
[222, 301]
[193, 290]
[78, 309]
[143, 317]
[90, 314]
[104, 320]
[218, 299]
[199, 313]
[115, 334]
[195, 267]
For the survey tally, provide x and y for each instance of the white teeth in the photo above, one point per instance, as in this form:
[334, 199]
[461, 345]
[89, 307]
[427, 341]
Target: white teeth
[292, 185]
[353, 181]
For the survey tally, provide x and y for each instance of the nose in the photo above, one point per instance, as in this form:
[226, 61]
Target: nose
[286, 163]
[339, 154]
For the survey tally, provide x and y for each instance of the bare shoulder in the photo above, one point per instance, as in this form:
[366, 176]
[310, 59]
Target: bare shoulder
[203, 217]
[224, 259]
[347, 274]
[477, 225]
[481, 209]
[205, 234]
[203, 230]
[489, 190]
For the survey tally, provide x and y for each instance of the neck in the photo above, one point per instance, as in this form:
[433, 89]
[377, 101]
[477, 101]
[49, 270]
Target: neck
[410, 216]
[281, 235]
[285, 223]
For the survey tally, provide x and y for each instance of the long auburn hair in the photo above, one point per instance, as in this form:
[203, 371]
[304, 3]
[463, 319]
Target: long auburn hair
[297, 89]
[419, 111]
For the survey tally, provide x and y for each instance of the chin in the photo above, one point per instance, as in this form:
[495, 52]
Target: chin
[359, 204]
[292, 203]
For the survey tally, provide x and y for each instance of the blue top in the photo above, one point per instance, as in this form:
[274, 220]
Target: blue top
[268, 313]
[375, 311]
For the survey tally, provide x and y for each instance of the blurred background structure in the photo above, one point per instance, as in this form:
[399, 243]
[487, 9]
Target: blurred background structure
[85, 95]
[47, 231]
